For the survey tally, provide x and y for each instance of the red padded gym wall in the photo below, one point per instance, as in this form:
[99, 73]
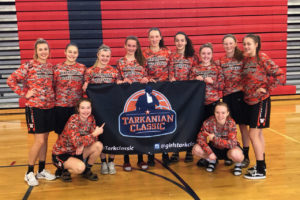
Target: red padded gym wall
[43, 19]
[204, 21]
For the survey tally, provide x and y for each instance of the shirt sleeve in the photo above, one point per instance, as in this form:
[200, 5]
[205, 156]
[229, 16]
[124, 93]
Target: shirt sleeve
[202, 138]
[231, 140]
[275, 75]
[16, 77]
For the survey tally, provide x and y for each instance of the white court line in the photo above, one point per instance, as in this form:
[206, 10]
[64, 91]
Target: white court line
[285, 136]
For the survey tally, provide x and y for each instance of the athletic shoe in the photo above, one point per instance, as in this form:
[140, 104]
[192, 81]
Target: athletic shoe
[228, 162]
[45, 175]
[245, 163]
[255, 175]
[104, 168]
[211, 166]
[66, 176]
[127, 167]
[174, 158]
[31, 179]
[142, 165]
[188, 157]
[58, 172]
[111, 168]
[150, 160]
[165, 159]
[237, 170]
[202, 163]
[90, 176]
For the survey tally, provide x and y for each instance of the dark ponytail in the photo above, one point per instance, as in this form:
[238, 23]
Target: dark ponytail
[161, 42]
[189, 50]
[238, 54]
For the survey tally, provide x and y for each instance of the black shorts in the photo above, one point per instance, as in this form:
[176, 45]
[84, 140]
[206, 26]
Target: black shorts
[62, 114]
[209, 110]
[59, 160]
[237, 107]
[259, 114]
[220, 153]
[39, 120]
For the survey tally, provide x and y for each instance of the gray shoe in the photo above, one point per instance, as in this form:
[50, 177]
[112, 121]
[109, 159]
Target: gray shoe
[111, 168]
[104, 168]
[245, 163]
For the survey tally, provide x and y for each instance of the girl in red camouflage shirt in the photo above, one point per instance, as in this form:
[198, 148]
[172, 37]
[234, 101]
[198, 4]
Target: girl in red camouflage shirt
[260, 75]
[101, 72]
[132, 69]
[68, 81]
[232, 64]
[157, 57]
[181, 63]
[211, 74]
[37, 78]
[78, 142]
[220, 131]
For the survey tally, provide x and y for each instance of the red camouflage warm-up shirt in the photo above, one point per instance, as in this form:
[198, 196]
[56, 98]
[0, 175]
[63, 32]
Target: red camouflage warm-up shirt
[213, 92]
[68, 81]
[260, 74]
[157, 64]
[225, 137]
[37, 76]
[232, 72]
[98, 75]
[131, 70]
[75, 134]
[180, 67]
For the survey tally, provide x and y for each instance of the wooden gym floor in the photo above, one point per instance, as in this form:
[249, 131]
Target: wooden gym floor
[179, 181]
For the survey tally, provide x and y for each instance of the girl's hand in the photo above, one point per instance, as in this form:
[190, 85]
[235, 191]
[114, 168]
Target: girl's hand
[120, 82]
[144, 80]
[85, 85]
[172, 79]
[126, 80]
[199, 78]
[209, 80]
[211, 136]
[98, 130]
[152, 80]
[30, 93]
[79, 150]
[261, 91]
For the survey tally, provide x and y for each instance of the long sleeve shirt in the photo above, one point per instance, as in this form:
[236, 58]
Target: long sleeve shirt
[225, 136]
[98, 75]
[131, 70]
[260, 74]
[180, 67]
[157, 64]
[76, 133]
[37, 76]
[213, 91]
[68, 81]
[232, 72]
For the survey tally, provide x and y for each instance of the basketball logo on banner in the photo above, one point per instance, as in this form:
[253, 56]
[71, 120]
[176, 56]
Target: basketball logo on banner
[147, 113]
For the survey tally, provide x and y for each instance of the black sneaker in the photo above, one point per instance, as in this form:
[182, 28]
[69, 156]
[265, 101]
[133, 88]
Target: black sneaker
[165, 159]
[228, 162]
[66, 176]
[174, 158]
[202, 163]
[90, 176]
[189, 157]
[253, 169]
[245, 163]
[211, 167]
[151, 162]
[255, 175]
[58, 172]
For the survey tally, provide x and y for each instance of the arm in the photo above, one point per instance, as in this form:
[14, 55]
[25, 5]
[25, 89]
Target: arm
[16, 77]
[202, 138]
[231, 140]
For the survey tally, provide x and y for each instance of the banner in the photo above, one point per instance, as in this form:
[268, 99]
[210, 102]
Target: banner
[148, 118]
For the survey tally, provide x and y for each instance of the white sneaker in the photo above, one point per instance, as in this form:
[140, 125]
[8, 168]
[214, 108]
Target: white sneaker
[45, 175]
[31, 179]
[111, 168]
[104, 168]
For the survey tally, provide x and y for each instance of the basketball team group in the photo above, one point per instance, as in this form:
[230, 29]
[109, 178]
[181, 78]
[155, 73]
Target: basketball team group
[238, 87]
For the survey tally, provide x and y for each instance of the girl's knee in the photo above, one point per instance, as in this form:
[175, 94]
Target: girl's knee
[236, 155]
[79, 168]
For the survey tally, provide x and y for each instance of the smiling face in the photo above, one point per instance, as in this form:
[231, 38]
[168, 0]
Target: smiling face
[154, 38]
[221, 113]
[180, 42]
[71, 54]
[229, 45]
[104, 57]
[84, 110]
[206, 55]
[42, 52]
[250, 46]
[131, 47]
